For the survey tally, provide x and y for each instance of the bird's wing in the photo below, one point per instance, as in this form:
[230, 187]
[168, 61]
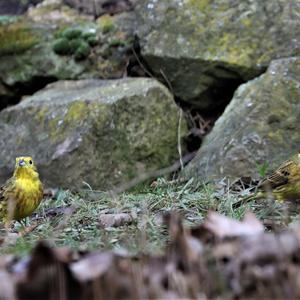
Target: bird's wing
[6, 194]
[6, 189]
[278, 177]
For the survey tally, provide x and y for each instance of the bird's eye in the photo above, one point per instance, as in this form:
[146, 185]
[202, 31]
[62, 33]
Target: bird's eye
[30, 162]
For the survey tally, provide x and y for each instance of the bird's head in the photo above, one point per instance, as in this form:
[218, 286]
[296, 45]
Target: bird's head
[25, 167]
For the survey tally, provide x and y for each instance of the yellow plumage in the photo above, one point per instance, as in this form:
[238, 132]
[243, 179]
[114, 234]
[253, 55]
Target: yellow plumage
[283, 184]
[22, 193]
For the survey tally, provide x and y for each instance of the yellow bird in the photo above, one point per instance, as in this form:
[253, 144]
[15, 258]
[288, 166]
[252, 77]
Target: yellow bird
[22, 193]
[283, 184]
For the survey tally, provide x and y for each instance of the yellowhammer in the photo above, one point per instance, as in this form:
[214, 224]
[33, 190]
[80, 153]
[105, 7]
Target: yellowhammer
[22, 193]
[283, 184]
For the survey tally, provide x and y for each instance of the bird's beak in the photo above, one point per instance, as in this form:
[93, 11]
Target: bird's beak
[21, 163]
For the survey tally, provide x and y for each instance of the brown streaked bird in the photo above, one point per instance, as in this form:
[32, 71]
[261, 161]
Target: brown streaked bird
[283, 184]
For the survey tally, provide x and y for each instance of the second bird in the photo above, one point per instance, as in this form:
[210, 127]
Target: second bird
[283, 183]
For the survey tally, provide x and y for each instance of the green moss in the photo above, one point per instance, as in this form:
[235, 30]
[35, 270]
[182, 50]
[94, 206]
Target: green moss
[59, 32]
[77, 111]
[117, 43]
[62, 46]
[77, 47]
[87, 35]
[76, 114]
[16, 38]
[91, 38]
[75, 44]
[72, 33]
[226, 48]
[83, 51]
[92, 41]
[73, 41]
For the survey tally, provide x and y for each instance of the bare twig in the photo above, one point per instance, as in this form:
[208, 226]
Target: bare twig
[141, 64]
[167, 81]
[152, 174]
[179, 139]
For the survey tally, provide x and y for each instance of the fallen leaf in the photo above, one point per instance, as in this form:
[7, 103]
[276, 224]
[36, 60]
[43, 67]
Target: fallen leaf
[92, 266]
[221, 226]
[115, 220]
[7, 282]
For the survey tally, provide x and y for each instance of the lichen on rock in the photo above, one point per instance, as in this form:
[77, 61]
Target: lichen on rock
[197, 44]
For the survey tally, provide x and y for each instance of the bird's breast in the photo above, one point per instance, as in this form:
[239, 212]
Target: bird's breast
[28, 196]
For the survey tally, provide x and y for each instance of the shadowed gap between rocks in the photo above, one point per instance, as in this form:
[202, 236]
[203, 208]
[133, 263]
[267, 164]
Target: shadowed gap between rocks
[24, 89]
[137, 66]
[200, 121]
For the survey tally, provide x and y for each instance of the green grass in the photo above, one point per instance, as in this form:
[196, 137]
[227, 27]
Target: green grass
[77, 226]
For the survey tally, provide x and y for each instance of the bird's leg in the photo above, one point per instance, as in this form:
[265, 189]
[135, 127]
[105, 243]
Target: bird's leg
[23, 223]
[26, 229]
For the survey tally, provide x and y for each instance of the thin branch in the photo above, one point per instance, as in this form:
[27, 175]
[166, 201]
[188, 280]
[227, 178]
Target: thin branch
[179, 139]
[141, 64]
[152, 174]
[167, 81]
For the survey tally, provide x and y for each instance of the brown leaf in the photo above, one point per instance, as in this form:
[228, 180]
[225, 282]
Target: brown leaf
[7, 284]
[47, 277]
[7, 279]
[92, 266]
[115, 220]
[221, 226]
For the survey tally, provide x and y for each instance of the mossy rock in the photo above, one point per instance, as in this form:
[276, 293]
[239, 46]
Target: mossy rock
[259, 127]
[198, 44]
[100, 132]
[17, 37]
[43, 50]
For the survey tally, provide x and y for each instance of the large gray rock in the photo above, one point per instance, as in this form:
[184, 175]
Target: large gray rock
[203, 47]
[260, 125]
[100, 132]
